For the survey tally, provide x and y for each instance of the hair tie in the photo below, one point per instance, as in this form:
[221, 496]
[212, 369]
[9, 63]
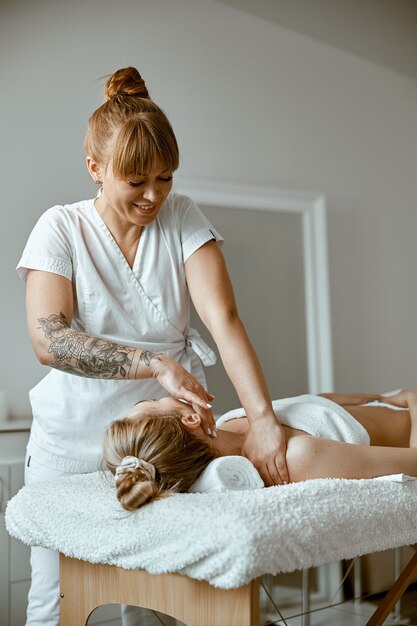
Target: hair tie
[132, 462]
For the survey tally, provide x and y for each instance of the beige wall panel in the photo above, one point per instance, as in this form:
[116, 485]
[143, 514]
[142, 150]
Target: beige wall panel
[264, 254]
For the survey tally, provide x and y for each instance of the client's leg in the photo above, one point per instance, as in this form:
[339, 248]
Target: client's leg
[310, 457]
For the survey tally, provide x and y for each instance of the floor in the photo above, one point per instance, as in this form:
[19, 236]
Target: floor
[350, 613]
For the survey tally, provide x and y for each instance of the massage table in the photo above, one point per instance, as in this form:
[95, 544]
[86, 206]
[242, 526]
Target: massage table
[199, 556]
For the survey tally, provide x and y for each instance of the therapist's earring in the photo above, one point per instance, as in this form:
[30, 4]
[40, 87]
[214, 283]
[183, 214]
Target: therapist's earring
[98, 182]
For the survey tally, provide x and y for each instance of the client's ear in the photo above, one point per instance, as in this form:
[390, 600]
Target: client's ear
[191, 421]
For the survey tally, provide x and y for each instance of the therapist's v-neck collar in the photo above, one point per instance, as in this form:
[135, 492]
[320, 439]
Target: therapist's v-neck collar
[135, 265]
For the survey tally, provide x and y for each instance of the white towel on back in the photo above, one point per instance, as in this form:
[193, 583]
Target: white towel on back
[314, 415]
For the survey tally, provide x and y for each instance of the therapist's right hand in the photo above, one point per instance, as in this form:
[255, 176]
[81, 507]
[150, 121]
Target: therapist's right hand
[182, 385]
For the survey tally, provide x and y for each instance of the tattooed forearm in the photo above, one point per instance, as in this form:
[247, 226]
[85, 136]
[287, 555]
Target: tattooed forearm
[146, 356]
[77, 353]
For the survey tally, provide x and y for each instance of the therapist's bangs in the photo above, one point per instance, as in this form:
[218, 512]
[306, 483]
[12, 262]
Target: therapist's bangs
[140, 143]
[131, 132]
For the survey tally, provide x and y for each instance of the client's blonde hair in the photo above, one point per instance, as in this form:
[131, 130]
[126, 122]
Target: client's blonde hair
[161, 439]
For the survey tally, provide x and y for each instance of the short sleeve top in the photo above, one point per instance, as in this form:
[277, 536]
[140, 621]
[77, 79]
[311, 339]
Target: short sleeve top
[73, 241]
[146, 305]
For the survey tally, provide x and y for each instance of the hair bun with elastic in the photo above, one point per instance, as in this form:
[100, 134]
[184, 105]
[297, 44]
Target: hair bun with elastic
[126, 82]
[134, 489]
[129, 463]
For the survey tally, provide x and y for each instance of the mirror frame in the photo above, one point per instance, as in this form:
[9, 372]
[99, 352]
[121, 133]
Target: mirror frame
[312, 208]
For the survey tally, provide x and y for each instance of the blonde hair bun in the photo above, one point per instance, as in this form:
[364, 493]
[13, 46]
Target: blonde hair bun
[135, 488]
[165, 457]
[126, 81]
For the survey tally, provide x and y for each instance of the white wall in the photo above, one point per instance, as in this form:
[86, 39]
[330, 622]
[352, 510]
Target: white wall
[250, 102]
[381, 31]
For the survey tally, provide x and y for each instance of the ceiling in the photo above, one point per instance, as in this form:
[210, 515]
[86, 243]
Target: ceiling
[381, 31]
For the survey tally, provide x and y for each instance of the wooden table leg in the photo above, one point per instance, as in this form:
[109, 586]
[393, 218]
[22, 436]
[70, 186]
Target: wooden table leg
[395, 593]
[85, 586]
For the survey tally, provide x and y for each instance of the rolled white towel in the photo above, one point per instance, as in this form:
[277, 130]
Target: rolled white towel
[228, 472]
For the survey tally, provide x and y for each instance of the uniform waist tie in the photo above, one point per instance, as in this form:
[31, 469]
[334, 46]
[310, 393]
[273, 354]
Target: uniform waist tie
[192, 339]
[195, 341]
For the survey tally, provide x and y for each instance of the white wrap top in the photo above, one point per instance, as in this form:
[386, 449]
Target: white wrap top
[146, 306]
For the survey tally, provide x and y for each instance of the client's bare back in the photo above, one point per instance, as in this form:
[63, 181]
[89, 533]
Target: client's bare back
[393, 435]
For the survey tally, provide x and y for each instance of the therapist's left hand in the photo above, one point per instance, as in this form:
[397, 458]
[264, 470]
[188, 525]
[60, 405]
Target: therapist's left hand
[265, 447]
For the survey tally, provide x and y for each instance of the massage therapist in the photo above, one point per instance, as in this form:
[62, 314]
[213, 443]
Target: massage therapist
[108, 282]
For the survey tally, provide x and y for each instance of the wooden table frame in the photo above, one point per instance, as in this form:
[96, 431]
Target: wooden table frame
[395, 592]
[85, 586]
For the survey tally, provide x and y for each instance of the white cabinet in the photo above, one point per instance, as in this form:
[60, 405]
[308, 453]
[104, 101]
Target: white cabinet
[14, 555]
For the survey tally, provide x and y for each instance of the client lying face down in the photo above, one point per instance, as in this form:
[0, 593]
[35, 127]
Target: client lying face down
[170, 457]
[160, 447]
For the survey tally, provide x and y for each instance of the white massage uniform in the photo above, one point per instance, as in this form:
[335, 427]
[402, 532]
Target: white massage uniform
[146, 306]
[314, 415]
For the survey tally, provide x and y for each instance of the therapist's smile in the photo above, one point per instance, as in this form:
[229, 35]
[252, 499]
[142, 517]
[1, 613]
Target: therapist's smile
[145, 209]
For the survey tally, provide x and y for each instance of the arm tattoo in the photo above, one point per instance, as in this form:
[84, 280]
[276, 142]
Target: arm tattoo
[146, 356]
[77, 353]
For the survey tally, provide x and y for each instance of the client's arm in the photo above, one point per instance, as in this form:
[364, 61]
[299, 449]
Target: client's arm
[406, 399]
[353, 399]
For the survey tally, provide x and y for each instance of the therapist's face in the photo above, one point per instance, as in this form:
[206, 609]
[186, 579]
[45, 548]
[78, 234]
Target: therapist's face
[135, 201]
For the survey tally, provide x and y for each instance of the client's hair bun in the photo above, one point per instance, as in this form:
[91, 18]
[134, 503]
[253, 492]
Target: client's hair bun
[126, 81]
[134, 488]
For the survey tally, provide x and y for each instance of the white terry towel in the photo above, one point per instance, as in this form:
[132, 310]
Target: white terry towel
[228, 472]
[226, 538]
[396, 478]
[314, 415]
